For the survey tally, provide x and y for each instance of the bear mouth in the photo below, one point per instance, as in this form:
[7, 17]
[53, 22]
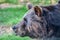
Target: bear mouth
[21, 35]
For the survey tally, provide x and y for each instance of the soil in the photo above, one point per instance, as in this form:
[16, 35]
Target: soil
[5, 30]
[7, 5]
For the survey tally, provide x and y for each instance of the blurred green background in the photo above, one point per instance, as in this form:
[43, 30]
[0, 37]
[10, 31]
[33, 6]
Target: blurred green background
[12, 11]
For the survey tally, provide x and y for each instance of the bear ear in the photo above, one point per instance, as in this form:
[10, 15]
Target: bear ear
[38, 10]
[29, 5]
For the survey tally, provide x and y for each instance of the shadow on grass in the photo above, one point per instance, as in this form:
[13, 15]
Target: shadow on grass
[13, 37]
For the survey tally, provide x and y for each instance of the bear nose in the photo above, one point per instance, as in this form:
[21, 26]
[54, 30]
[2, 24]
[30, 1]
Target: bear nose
[14, 28]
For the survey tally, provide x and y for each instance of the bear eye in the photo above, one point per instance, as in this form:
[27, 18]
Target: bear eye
[25, 19]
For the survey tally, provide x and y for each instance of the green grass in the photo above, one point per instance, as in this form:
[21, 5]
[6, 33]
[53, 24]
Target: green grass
[11, 15]
[12, 37]
[12, 1]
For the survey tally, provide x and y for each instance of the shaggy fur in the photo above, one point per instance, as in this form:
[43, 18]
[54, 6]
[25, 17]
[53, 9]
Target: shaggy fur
[41, 22]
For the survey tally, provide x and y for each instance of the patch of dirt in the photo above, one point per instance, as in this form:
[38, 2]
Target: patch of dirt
[5, 30]
[7, 5]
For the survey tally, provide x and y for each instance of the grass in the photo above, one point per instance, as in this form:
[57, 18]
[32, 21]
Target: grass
[12, 37]
[11, 15]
